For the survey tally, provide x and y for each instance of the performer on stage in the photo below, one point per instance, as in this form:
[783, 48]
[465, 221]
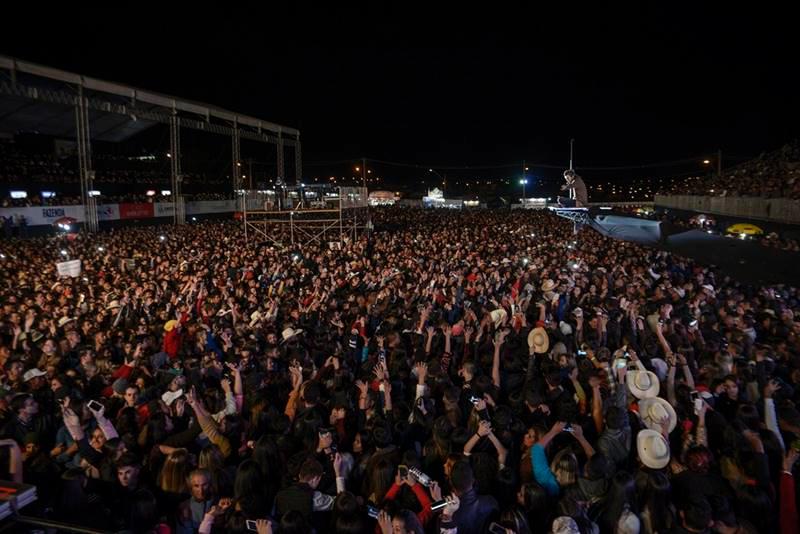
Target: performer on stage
[578, 197]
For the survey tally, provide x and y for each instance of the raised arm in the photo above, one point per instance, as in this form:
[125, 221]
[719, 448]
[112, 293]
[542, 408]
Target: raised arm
[498, 344]
[207, 423]
[577, 433]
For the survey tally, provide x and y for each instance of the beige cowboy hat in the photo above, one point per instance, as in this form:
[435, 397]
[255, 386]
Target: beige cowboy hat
[290, 332]
[548, 285]
[643, 384]
[65, 320]
[653, 410]
[653, 449]
[498, 316]
[255, 317]
[538, 341]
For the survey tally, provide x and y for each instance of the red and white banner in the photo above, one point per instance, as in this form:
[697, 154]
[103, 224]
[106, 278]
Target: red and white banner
[141, 210]
[44, 215]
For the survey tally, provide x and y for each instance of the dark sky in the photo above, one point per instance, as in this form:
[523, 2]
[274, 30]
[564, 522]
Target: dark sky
[632, 84]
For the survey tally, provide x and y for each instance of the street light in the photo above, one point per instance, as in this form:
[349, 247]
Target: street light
[524, 182]
[717, 162]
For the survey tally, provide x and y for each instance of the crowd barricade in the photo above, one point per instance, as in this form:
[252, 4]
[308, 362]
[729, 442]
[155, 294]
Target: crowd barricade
[781, 210]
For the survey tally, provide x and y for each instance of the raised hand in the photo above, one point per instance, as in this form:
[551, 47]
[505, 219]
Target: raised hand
[226, 385]
[436, 491]
[452, 506]
[362, 388]
[338, 463]
[191, 397]
[385, 522]
[422, 371]
[484, 428]
[263, 526]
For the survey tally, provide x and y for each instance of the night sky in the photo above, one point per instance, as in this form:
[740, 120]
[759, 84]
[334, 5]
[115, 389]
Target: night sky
[633, 85]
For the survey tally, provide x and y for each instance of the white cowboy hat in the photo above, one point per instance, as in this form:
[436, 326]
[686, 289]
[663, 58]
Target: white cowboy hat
[289, 333]
[538, 341]
[255, 317]
[65, 320]
[566, 328]
[32, 373]
[643, 384]
[498, 316]
[170, 396]
[653, 449]
[577, 312]
[114, 304]
[548, 285]
[653, 410]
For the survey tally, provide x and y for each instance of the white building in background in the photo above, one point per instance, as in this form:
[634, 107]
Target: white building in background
[382, 198]
[435, 199]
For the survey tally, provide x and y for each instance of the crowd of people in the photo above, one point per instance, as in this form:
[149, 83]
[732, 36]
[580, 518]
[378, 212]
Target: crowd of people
[143, 197]
[119, 178]
[452, 372]
[772, 175]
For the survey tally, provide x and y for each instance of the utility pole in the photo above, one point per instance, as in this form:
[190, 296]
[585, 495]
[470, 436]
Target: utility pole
[364, 171]
[571, 143]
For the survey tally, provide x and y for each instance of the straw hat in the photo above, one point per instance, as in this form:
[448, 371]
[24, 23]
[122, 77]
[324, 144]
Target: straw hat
[538, 341]
[548, 285]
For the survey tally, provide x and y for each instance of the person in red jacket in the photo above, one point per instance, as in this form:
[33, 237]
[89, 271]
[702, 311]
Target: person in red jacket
[172, 338]
[419, 492]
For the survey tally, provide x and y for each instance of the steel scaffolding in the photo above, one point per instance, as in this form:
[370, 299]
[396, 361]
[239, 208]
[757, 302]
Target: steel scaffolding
[300, 214]
[85, 161]
[112, 112]
[179, 208]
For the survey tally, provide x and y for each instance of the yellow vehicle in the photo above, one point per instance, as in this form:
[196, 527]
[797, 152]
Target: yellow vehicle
[745, 228]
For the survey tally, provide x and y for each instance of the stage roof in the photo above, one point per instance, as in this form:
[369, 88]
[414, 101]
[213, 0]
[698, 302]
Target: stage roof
[42, 99]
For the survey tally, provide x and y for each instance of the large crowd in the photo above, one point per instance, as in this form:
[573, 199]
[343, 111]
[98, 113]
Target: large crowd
[119, 178]
[470, 372]
[771, 175]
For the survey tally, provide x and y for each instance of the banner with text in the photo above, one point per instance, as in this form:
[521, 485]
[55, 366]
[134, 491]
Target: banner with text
[69, 268]
[47, 215]
[164, 209]
[139, 210]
